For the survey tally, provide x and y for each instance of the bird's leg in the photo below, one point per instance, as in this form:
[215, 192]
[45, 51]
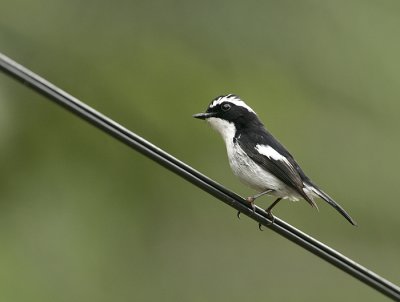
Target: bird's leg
[251, 200]
[269, 212]
[269, 209]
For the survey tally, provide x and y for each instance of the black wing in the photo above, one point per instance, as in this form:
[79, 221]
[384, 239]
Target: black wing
[288, 171]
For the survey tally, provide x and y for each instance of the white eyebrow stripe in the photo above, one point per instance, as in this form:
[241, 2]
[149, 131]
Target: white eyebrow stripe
[231, 99]
[271, 153]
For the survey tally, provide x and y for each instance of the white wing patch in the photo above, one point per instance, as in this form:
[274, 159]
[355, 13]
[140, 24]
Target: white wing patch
[271, 153]
[231, 99]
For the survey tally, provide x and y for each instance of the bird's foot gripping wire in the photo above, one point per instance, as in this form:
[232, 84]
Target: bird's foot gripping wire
[270, 216]
[269, 213]
[251, 200]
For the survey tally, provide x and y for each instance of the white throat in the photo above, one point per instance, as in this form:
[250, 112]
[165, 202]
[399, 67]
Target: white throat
[223, 127]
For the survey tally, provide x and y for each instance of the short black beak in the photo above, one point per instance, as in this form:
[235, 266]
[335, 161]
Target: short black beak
[203, 116]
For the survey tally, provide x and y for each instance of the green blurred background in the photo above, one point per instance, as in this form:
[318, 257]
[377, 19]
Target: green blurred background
[84, 218]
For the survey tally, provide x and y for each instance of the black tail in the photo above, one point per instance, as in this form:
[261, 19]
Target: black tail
[333, 203]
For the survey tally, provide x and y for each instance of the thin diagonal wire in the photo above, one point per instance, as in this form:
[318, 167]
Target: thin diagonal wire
[143, 146]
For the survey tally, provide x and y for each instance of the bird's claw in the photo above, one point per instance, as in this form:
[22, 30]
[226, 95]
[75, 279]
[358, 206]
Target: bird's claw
[271, 217]
[250, 200]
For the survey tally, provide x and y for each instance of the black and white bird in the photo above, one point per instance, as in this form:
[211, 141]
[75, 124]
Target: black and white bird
[257, 158]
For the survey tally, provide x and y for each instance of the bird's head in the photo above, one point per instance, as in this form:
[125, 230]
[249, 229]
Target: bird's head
[229, 113]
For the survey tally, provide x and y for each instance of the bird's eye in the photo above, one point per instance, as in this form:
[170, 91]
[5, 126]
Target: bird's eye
[226, 107]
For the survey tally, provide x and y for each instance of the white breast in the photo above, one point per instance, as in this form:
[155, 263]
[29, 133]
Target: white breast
[245, 168]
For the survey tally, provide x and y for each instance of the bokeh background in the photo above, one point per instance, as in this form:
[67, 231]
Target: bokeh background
[84, 218]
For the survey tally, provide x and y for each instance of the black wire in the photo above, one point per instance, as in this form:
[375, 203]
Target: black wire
[136, 142]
